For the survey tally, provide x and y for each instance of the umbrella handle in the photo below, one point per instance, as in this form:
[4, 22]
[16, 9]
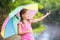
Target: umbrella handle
[16, 17]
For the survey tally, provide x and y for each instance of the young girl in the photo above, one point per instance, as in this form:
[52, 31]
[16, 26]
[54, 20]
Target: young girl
[24, 26]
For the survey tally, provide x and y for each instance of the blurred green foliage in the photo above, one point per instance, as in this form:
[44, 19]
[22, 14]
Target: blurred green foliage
[39, 29]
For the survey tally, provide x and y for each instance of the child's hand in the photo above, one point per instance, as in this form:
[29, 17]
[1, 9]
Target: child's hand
[48, 13]
[28, 30]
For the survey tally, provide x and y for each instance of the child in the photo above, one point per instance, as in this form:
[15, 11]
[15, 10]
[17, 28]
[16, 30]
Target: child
[24, 26]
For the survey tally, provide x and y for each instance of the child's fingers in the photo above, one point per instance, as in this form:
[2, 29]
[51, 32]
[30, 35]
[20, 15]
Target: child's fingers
[49, 11]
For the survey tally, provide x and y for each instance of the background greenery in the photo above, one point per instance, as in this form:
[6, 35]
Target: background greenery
[6, 6]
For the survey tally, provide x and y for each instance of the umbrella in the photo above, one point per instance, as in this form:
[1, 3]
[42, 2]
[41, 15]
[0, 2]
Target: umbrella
[9, 27]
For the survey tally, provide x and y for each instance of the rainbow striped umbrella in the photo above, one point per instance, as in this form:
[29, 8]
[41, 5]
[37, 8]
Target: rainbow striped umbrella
[9, 27]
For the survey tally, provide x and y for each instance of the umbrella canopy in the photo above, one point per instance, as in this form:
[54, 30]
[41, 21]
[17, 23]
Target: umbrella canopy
[9, 27]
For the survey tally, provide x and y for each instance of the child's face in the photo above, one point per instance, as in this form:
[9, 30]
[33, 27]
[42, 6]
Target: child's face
[26, 15]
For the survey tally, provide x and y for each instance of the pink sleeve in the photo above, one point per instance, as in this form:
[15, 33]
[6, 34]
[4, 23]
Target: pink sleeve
[22, 27]
[19, 23]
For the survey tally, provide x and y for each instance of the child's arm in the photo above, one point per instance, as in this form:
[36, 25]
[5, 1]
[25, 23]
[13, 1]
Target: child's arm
[41, 18]
[20, 30]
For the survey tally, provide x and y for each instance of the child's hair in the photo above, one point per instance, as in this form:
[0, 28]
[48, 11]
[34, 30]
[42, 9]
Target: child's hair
[23, 11]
